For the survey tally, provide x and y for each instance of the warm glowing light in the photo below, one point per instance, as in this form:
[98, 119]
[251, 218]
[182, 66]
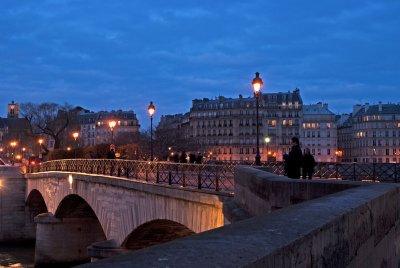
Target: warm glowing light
[40, 141]
[1, 149]
[172, 154]
[267, 139]
[75, 135]
[169, 148]
[112, 124]
[68, 148]
[18, 157]
[33, 163]
[269, 153]
[257, 83]
[151, 109]
[339, 153]
[24, 149]
[70, 180]
[13, 143]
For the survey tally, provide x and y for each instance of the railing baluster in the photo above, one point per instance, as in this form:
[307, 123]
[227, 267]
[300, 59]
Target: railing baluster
[199, 179]
[158, 174]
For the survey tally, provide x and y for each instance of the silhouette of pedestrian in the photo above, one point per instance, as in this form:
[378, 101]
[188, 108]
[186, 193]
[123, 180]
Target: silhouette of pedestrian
[308, 164]
[294, 160]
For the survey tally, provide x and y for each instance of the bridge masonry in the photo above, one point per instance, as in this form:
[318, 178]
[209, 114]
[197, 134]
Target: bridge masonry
[107, 210]
[14, 222]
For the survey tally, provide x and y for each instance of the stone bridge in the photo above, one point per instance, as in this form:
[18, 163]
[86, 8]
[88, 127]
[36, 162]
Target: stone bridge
[289, 223]
[118, 213]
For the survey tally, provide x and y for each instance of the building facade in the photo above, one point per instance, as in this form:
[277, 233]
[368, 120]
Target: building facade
[376, 133]
[319, 132]
[94, 127]
[225, 128]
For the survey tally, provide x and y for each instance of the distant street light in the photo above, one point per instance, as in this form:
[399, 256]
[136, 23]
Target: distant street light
[75, 135]
[13, 144]
[267, 140]
[257, 84]
[40, 148]
[112, 125]
[151, 110]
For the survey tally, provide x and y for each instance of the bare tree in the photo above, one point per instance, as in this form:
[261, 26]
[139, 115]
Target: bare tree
[47, 118]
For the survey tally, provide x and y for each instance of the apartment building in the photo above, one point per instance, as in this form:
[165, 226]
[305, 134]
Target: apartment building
[225, 128]
[319, 132]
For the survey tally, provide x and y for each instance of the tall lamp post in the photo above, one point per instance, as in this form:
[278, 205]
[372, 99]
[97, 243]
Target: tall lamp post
[151, 110]
[75, 135]
[257, 84]
[267, 140]
[40, 141]
[13, 145]
[112, 125]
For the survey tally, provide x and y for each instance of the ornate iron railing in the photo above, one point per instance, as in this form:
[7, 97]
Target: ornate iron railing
[200, 176]
[380, 172]
[216, 176]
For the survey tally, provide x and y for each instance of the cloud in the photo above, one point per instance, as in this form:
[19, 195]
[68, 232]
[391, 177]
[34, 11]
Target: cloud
[126, 53]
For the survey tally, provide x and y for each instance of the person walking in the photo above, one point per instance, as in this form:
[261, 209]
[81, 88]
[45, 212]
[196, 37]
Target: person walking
[308, 164]
[294, 160]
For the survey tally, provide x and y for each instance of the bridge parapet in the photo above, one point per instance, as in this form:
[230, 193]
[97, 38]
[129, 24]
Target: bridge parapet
[334, 224]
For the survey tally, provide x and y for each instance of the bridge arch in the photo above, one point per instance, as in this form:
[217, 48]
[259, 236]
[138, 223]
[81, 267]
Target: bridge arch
[74, 206]
[155, 232]
[34, 206]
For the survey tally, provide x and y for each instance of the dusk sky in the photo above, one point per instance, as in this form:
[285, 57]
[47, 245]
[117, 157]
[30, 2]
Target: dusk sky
[105, 55]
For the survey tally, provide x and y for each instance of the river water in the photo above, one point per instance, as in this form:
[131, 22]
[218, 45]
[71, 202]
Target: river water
[17, 255]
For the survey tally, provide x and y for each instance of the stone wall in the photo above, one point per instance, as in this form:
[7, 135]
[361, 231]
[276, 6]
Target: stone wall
[353, 225]
[12, 204]
[260, 192]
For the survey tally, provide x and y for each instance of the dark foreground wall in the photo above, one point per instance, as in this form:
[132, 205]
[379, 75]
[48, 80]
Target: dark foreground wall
[12, 204]
[354, 226]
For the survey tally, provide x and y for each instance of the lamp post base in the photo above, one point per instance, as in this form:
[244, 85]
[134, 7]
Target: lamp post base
[258, 160]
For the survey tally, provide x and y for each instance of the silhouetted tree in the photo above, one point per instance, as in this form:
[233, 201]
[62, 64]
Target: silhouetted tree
[47, 118]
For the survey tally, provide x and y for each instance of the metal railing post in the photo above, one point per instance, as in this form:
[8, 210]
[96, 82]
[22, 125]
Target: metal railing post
[169, 178]
[337, 170]
[158, 174]
[199, 179]
[216, 181]
[354, 171]
[395, 172]
[183, 178]
[373, 171]
[127, 172]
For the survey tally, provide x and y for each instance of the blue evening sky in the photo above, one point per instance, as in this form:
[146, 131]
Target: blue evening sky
[107, 55]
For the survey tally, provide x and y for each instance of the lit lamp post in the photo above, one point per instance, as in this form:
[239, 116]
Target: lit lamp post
[257, 84]
[151, 110]
[267, 140]
[75, 135]
[13, 144]
[40, 148]
[112, 125]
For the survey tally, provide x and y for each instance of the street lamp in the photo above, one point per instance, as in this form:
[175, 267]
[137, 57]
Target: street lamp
[257, 84]
[75, 135]
[267, 140]
[13, 144]
[151, 110]
[40, 141]
[112, 125]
